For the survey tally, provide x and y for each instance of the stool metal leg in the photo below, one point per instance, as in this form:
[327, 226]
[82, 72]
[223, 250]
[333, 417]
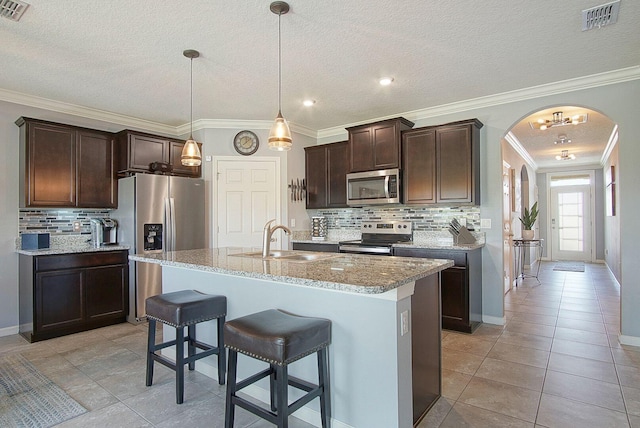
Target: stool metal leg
[282, 396]
[229, 412]
[222, 353]
[323, 380]
[151, 341]
[191, 349]
[179, 365]
[272, 387]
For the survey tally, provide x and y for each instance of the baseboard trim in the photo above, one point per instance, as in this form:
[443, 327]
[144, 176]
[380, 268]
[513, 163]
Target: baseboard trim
[494, 320]
[8, 331]
[629, 340]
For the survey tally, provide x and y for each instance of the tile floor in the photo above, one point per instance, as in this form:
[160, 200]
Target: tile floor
[556, 363]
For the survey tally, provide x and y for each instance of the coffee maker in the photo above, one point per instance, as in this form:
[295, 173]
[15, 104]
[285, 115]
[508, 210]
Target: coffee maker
[104, 231]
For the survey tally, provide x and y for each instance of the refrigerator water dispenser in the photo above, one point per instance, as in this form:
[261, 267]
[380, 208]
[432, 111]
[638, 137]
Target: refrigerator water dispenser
[152, 236]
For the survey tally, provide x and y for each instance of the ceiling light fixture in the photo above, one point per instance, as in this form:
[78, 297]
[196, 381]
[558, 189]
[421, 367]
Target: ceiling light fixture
[308, 103]
[566, 156]
[386, 81]
[558, 120]
[280, 134]
[562, 139]
[191, 155]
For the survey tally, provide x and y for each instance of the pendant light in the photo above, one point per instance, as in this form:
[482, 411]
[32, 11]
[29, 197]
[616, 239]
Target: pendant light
[280, 135]
[191, 153]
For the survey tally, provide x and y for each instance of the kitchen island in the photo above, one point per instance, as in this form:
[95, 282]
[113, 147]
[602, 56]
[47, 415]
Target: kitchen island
[382, 309]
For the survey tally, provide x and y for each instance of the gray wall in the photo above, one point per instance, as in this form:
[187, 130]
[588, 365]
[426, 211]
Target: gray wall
[618, 101]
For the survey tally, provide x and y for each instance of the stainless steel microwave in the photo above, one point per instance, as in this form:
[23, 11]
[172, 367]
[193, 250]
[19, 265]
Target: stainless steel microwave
[373, 187]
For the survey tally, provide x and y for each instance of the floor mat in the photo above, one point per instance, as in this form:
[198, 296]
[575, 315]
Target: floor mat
[30, 399]
[569, 266]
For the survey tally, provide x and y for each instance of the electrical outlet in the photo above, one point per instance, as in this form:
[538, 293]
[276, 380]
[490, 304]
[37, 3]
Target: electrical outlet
[77, 226]
[293, 222]
[485, 223]
[404, 323]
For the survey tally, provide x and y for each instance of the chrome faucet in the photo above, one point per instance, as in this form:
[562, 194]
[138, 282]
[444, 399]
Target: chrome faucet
[267, 233]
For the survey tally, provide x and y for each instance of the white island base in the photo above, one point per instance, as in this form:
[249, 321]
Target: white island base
[369, 359]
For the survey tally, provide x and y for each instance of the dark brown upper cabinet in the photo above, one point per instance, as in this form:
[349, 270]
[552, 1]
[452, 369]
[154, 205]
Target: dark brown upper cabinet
[326, 175]
[441, 164]
[377, 145]
[138, 150]
[64, 166]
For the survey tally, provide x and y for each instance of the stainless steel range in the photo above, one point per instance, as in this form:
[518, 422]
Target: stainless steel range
[378, 237]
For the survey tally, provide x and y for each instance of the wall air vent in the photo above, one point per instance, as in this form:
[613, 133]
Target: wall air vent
[12, 9]
[599, 16]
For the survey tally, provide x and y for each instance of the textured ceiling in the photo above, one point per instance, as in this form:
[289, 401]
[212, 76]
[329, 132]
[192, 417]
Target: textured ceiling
[588, 140]
[126, 57]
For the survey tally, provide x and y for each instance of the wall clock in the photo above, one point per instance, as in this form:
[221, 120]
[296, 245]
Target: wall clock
[246, 143]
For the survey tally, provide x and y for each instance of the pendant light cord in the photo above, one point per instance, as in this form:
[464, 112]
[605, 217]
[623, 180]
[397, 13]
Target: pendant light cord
[279, 66]
[191, 111]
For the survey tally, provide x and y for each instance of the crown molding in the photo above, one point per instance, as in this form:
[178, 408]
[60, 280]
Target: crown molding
[564, 86]
[580, 83]
[519, 148]
[240, 124]
[85, 112]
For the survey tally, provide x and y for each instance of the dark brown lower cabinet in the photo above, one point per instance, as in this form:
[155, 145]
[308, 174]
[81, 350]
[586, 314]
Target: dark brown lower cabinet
[460, 286]
[67, 293]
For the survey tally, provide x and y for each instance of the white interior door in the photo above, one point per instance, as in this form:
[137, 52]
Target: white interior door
[571, 223]
[246, 198]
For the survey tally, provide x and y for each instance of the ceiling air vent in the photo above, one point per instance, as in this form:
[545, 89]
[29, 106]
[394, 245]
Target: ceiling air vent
[600, 16]
[12, 9]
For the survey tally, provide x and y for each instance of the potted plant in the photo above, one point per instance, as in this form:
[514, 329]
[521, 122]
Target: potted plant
[528, 220]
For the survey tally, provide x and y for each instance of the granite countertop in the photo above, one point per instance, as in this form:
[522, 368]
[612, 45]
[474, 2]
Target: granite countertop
[426, 240]
[68, 244]
[356, 273]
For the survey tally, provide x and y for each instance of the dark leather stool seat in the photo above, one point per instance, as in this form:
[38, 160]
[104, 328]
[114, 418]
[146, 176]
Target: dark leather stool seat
[182, 309]
[278, 338]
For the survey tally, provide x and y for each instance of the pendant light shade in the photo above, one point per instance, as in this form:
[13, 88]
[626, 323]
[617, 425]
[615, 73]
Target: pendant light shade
[280, 134]
[191, 155]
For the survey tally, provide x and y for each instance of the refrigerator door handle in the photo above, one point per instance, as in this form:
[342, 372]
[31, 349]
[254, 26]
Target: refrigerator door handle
[172, 205]
[168, 233]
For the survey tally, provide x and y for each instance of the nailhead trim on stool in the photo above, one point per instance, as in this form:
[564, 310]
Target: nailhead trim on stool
[278, 338]
[182, 309]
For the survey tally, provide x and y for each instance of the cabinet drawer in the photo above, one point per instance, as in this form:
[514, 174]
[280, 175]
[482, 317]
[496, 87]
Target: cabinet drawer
[79, 260]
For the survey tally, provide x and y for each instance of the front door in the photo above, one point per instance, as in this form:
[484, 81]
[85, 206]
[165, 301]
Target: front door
[246, 197]
[571, 222]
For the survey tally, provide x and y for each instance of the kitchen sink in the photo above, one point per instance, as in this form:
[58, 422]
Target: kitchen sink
[289, 256]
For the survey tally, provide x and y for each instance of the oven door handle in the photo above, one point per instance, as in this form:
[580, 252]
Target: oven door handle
[368, 250]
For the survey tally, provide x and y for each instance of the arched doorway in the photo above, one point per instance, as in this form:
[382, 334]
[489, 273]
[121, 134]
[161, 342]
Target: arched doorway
[537, 153]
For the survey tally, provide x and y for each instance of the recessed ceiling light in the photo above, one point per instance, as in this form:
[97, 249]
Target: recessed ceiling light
[386, 81]
[308, 103]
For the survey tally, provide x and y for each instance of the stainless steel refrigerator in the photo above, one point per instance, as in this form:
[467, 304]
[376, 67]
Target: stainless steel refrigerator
[157, 213]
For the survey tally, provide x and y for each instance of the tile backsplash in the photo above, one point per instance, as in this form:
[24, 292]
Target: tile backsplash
[58, 221]
[423, 218]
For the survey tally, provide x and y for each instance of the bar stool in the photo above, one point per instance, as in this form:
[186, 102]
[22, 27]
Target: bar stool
[185, 309]
[278, 338]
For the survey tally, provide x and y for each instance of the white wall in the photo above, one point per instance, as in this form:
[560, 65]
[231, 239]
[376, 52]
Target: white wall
[612, 223]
